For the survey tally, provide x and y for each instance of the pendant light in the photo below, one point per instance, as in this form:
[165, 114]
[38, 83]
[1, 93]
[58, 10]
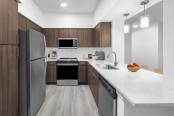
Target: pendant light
[126, 25]
[144, 20]
[19, 1]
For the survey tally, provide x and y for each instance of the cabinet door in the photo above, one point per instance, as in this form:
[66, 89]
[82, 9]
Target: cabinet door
[90, 79]
[95, 88]
[94, 38]
[97, 35]
[8, 80]
[91, 82]
[22, 22]
[102, 35]
[51, 73]
[31, 25]
[105, 34]
[63, 33]
[51, 37]
[8, 22]
[80, 37]
[72, 33]
[87, 37]
[82, 73]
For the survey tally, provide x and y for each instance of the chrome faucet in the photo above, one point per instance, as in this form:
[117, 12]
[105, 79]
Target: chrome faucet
[115, 63]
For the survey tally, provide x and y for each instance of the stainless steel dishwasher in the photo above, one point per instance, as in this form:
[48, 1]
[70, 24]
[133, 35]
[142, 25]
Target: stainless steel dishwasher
[107, 98]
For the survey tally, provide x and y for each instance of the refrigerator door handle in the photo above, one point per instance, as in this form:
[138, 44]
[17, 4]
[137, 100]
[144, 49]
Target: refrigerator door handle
[45, 45]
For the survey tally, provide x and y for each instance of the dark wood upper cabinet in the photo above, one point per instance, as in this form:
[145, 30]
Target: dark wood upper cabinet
[80, 37]
[8, 22]
[106, 34]
[97, 42]
[51, 73]
[84, 36]
[51, 36]
[63, 33]
[8, 80]
[31, 25]
[87, 38]
[82, 73]
[72, 33]
[22, 22]
[102, 35]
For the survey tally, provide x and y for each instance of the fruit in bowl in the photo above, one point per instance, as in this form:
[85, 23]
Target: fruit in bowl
[133, 67]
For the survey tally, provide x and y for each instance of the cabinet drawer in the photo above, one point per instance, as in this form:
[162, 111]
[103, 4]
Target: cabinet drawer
[51, 74]
[51, 63]
[82, 63]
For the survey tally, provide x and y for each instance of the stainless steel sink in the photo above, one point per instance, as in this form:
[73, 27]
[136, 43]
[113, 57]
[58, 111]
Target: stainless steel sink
[107, 67]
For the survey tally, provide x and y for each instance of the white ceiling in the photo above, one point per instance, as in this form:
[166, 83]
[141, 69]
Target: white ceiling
[74, 6]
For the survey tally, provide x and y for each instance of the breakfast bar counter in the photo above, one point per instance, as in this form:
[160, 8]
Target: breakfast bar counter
[141, 88]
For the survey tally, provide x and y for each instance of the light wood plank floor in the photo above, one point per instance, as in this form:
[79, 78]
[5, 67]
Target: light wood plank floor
[68, 101]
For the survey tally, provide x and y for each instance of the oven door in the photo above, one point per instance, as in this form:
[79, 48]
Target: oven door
[67, 74]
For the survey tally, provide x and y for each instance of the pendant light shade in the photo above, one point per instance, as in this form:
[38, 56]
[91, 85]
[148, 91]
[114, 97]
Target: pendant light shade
[126, 26]
[144, 20]
[19, 1]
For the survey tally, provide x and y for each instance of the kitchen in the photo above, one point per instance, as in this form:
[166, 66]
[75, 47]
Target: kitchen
[98, 32]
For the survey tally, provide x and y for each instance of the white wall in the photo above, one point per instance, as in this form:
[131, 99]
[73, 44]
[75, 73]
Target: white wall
[116, 16]
[57, 20]
[68, 20]
[168, 35]
[145, 46]
[118, 39]
[80, 52]
[102, 9]
[29, 9]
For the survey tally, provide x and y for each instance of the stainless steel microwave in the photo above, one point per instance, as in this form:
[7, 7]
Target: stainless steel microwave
[68, 43]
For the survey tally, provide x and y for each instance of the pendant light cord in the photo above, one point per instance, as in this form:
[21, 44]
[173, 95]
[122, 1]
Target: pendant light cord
[144, 9]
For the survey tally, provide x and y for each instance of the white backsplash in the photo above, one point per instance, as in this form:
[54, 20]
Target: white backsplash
[80, 52]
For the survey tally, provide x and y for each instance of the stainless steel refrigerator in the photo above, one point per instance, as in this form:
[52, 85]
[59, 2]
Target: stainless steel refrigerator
[32, 71]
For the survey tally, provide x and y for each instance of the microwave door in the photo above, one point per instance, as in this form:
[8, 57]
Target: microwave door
[67, 43]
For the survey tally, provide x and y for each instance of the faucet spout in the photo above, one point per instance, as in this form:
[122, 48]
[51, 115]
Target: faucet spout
[115, 62]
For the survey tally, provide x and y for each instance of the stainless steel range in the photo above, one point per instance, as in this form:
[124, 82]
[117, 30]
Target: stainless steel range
[67, 71]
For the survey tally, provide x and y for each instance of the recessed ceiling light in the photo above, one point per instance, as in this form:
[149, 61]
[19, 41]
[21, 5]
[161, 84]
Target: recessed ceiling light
[63, 4]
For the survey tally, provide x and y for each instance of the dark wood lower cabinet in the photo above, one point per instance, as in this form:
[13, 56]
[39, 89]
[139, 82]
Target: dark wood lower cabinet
[95, 85]
[82, 79]
[51, 73]
[93, 82]
[8, 80]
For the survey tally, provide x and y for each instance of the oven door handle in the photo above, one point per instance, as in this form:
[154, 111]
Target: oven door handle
[67, 64]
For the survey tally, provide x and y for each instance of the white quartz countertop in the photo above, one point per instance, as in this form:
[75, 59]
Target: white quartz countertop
[141, 88]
